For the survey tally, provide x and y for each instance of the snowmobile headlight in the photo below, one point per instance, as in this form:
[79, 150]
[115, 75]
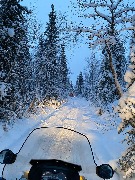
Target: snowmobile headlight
[25, 175]
[82, 178]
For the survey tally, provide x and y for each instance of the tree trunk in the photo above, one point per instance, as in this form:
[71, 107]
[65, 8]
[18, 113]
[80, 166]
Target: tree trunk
[117, 84]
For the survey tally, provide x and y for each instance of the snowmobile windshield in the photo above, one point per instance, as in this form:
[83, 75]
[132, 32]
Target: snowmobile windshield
[53, 143]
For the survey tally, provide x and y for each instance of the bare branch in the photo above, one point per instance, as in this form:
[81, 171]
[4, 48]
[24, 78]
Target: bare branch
[80, 30]
[112, 1]
[127, 29]
[127, 9]
[91, 15]
[123, 19]
[107, 18]
[119, 1]
[93, 5]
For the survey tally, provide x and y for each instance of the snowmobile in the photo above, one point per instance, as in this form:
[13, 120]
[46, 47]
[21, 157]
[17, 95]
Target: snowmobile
[53, 153]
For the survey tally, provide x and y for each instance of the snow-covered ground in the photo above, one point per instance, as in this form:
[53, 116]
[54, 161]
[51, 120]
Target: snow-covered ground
[75, 114]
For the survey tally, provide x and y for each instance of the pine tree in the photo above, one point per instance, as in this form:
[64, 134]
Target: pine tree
[91, 79]
[41, 69]
[126, 111]
[23, 72]
[13, 54]
[70, 87]
[79, 88]
[119, 61]
[106, 87]
[47, 59]
[51, 44]
[63, 71]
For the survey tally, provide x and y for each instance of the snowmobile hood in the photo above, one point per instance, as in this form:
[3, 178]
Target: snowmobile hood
[57, 163]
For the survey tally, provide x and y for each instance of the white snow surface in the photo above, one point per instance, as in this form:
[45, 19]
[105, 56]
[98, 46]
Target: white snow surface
[76, 114]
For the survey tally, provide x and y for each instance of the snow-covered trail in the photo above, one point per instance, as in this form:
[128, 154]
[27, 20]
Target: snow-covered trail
[75, 114]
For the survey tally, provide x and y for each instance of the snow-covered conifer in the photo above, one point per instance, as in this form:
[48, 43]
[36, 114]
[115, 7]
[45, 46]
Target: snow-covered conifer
[63, 71]
[126, 111]
[14, 54]
[91, 79]
[47, 59]
[79, 87]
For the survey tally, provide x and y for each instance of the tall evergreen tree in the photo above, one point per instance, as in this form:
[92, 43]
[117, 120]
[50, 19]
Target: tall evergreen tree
[91, 79]
[119, 60]
[70, 87]
[106, 87]
[126, 111]
[47, 59]
[51, 47]
[14, 53]
[79, 88]
[40, 65]
[63, 71]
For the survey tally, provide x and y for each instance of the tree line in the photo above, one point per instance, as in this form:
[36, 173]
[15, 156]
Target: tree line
[111, 78]
[25, 76]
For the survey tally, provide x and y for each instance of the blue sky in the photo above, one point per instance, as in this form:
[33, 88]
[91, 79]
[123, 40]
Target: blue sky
[75, 55]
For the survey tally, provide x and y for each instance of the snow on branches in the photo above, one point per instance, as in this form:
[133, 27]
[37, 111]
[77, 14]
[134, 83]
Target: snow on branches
[127, 108]
[4, 88]
[112, 12]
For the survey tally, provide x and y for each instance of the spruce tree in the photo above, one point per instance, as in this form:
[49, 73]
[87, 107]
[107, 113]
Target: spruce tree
[40, 65]
[119, 61]
[13, 54]
[126, 111]
[91, 79]
[51, 48]
[79, 88]
[47, 59]
[63, 71]
[106, 87]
